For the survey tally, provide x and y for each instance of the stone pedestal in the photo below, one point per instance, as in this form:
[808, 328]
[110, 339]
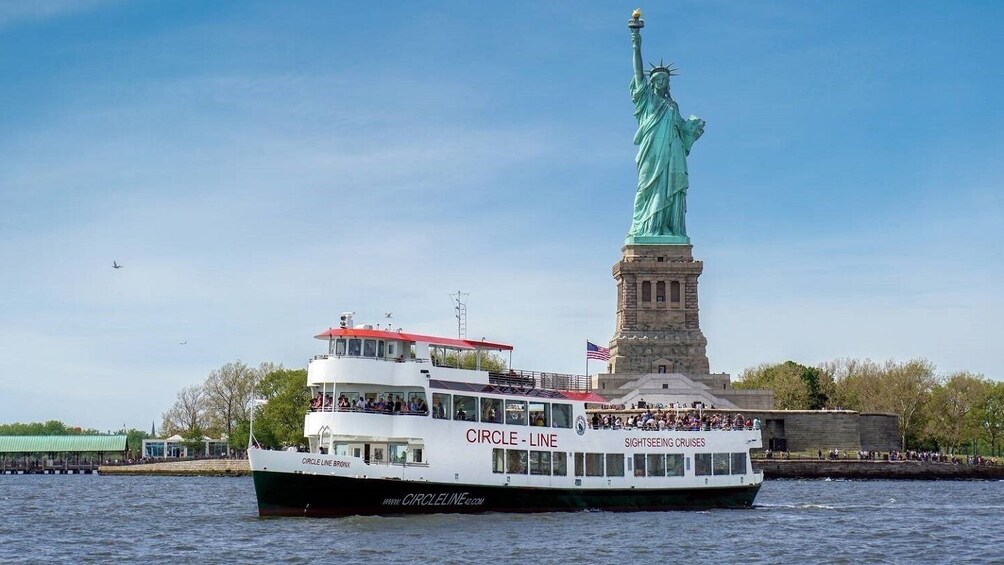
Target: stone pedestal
[658, 324]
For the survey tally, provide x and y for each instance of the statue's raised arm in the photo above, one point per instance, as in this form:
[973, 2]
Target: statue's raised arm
[635, 24]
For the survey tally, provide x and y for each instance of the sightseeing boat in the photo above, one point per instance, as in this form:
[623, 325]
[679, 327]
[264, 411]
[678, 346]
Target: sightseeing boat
[398, 426]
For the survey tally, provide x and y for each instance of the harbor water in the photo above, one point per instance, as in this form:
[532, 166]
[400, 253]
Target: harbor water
[98, 519]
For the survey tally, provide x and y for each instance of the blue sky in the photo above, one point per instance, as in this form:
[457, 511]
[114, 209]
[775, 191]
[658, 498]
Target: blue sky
[260, 167]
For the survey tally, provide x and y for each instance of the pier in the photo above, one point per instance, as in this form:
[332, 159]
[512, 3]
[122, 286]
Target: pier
[48, 468]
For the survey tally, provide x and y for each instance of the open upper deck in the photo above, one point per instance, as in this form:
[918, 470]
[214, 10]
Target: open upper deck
[402, 347]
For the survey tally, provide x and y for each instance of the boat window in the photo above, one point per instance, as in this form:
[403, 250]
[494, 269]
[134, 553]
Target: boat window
[515, 412]
[639, 464]
[561, 415]
[380, 348]
[540, 462]
[498, 460]
[398, 453]
[352, 398]
[355, 347]
[441, 406]
[594, 464]
[465, 408]
[378, 452]
[720, 463]
[656, 465]
[394, 401]
[341, 449]
[738, 463]
[615, 464]
[416, 403]
[674, 464]
[339, 347]
[369, 348]
[559, 464]
[418, 454]
[390, 348]
[491, 410]
[540, 413]
[702, 464]
[579, 468]
[515, 462]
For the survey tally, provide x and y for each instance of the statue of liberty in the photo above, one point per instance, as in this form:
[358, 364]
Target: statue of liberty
[664, 140]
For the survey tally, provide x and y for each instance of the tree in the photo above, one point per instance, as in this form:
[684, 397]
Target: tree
[50, 428]
[134, 439]
[855, 383]
[228, 395]
[795, 386]
[188, 412]
[905, 390]
[952, 418]
[279, 422]
[990, 416]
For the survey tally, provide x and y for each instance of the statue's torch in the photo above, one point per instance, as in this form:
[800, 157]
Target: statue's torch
[636, 22]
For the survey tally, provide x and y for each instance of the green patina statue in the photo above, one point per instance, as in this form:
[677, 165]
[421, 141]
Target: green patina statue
[664, 140]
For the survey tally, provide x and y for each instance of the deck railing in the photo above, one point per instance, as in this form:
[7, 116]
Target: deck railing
[534, 379]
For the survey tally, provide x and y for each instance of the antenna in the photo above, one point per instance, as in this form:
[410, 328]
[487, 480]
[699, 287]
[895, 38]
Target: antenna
[460, 308]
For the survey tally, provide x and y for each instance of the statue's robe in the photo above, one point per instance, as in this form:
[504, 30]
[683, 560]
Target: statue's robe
[664, 140]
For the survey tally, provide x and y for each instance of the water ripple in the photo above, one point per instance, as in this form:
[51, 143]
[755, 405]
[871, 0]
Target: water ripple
[88, 519]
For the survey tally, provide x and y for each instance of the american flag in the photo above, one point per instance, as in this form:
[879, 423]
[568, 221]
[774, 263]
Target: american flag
[594, 351]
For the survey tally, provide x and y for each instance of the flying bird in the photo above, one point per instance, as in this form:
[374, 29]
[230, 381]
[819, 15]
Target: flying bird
[116, 265]
[387, 314]
[183, 343]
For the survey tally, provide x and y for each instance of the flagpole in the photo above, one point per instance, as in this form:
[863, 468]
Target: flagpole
[587, 361]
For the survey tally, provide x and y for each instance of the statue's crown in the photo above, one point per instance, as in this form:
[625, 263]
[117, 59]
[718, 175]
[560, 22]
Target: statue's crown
[663, 68]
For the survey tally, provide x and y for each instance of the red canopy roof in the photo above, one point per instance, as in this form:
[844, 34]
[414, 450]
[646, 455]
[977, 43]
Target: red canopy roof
[431, 340]
[584, 396]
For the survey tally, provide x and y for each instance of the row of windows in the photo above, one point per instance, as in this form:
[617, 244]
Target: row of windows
[499, 411]
[356, 347]
[719, 463]
[520, 462]
[377, 452]
[660, 291]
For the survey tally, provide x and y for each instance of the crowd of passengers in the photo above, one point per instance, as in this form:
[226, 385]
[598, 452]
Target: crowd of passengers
[677, 421]
[387, 405]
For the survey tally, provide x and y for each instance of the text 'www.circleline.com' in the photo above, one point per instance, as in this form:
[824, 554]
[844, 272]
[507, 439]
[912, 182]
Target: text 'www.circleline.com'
[432, 499]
